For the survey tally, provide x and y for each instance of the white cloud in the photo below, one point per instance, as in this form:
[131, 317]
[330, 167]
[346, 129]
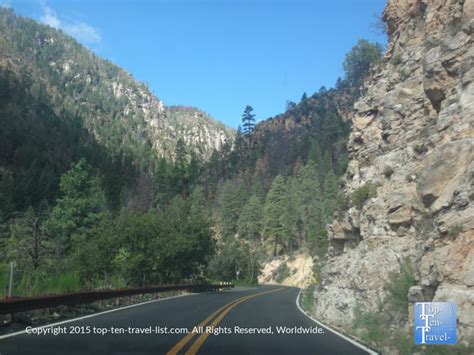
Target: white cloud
[50, 18]
[80, 30]
[6, 4]
[83, 32]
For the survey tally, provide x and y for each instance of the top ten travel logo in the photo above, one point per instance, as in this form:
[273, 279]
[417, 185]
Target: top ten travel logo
[435, 323]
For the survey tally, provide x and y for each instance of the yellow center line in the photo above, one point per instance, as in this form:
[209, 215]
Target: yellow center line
[202, 338]
[175, 349]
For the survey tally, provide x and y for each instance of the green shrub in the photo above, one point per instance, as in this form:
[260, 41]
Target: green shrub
[4, 278]
[307, 298]
[370, 325]
[454, 230]
[39, 283]
[281, 272]
[363, 193]
[397, 287]
[396, 59]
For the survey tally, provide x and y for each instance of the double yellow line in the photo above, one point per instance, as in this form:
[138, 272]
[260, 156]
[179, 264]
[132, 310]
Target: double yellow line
[217, 316]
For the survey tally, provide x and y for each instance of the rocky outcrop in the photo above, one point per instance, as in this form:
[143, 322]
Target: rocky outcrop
[199, 131]
[413, 137]
[295, 270]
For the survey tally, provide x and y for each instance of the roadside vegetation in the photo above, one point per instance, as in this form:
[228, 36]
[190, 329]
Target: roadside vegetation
[371, 326]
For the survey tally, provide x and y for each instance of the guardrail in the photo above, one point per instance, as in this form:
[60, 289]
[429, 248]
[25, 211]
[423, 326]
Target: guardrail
[22, 304]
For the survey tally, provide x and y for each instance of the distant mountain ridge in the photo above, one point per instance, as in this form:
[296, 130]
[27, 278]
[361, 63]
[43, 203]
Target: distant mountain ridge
[59, 102]
[120, 112]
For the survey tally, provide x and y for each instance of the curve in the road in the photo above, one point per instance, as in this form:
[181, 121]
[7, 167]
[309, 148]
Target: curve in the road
[219, 315]
[252, 308]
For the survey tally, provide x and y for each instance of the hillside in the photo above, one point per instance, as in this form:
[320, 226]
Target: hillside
[60, 102]
[119, 111]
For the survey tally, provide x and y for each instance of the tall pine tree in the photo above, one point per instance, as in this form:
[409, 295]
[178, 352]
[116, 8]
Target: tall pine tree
[250, 220]
[248, 121]
[310, 201]
[274, 211]
[330, 195]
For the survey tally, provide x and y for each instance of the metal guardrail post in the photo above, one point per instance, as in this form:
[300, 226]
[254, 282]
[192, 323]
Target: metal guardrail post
[10, 284]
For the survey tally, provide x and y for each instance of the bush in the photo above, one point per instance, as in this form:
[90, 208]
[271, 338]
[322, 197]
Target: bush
[4, 278]
[454, 231]
[397, 287]
[307, 298]
[363, 193]
[235, 262]
[281, 272]
[359, 60]
[396, 59]
[371, 325]
[39, 283]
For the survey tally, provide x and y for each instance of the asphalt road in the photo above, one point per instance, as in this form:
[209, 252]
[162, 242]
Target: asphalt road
[262, 309]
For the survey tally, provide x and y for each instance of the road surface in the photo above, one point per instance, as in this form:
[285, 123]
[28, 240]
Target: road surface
[249, 321]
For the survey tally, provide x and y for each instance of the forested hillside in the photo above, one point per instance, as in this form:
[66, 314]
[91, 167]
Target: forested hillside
[58, 98]
[275, 192]
[80, 144]
[100, 184]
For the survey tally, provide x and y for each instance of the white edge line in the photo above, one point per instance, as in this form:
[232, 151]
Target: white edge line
[370, 351]
[92, 315]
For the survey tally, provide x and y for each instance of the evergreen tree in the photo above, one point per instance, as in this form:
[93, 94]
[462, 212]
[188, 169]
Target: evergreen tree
[27, 244]
[309, 201]
[235, 154]
[326, 165]
[315, 152]
[80, 208]
[248, 120]
[273, 212]
[304, 97]
[291, 218]
[290, 105]
[330, 195]
[231, 200]
[161, 184]
[250, 220]
[180, 174]
[359, 60]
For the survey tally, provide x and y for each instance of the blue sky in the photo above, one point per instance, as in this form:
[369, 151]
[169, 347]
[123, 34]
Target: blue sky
[219, 55]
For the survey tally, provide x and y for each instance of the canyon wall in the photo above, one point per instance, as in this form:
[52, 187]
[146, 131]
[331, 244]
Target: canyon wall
[413, 138]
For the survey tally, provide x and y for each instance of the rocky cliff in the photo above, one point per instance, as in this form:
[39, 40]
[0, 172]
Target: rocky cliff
[413, 138]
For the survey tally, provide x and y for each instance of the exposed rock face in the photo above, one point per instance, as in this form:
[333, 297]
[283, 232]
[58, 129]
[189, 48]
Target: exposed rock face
[300, 271]
[413, 136]
[199, 131]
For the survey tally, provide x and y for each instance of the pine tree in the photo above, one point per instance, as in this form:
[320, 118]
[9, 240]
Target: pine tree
[231, 200]
[359, 60]
[330, 195]
[250, 220]
[161, 184]
[291, 218]
[326, 164]
[304, 97]
[78, 210]
[315, 152]
[180, 173]
[28, 243]
[274, 211]
[248, 121]
[309, 201]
